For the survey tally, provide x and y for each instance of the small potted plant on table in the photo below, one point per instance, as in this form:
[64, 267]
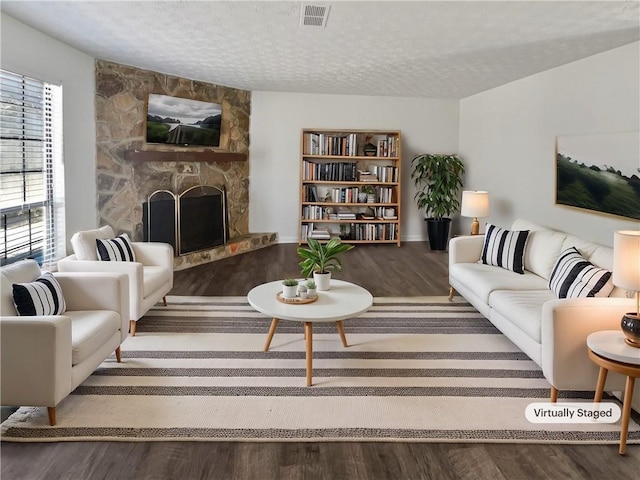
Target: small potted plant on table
[311, 288]
[289, 288]
[321, 259]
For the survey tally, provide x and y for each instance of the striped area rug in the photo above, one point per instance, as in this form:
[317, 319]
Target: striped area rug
[417, 369]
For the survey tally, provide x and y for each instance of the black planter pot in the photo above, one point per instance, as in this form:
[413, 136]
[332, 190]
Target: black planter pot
[438, 231]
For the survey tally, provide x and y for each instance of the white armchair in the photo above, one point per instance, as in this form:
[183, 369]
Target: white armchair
[44, 358]
[150, 276]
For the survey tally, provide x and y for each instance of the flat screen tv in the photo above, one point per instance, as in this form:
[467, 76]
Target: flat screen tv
[181, 121]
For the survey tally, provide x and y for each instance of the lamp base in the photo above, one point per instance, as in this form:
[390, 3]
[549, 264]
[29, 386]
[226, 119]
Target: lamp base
[475, 227]
[630, 325]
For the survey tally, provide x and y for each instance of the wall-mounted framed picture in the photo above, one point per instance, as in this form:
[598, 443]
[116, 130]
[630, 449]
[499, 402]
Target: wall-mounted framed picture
[182, 121]
[599, 172]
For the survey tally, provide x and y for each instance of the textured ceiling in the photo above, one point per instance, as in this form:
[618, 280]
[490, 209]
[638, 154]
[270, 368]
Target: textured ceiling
[415, 49]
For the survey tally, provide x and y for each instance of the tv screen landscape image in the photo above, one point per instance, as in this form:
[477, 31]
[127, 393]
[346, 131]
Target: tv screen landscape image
[181, 121]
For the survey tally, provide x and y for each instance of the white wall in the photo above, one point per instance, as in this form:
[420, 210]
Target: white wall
[507, 136]
[31, 53]
[427, 125]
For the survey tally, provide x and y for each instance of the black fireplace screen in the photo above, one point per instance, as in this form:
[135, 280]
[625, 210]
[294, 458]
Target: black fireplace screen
[191, 221]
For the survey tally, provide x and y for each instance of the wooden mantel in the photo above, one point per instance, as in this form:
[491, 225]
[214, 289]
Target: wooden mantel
[161, 156]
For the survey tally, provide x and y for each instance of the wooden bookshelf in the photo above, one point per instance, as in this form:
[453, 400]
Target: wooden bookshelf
[334, 168]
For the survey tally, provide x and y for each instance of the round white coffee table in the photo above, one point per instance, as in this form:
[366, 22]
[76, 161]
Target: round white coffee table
[344, 300]
[609, 351]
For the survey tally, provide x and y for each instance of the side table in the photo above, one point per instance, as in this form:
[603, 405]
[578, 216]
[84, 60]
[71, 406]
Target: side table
[608, 350]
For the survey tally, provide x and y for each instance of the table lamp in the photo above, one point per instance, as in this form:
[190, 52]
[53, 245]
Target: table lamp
[626, 274]
[475, 204]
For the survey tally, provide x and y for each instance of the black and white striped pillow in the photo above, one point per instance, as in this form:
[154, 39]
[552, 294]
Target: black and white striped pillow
[40, 297]
[504, 248]
[573, 276]
[117, 249]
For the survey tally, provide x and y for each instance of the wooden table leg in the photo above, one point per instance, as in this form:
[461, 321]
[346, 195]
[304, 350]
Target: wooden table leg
[626, 412]
[272, 330]
[308, 329]
[343, 337]
[602, 379]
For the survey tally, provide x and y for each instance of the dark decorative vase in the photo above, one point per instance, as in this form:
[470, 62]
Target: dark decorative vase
[438, 231]
[630, 325]
[370, 150]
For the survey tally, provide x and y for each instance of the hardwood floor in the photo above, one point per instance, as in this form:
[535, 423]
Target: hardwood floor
[385, 270]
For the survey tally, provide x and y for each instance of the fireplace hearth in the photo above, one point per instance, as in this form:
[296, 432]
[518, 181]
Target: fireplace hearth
[191, 221]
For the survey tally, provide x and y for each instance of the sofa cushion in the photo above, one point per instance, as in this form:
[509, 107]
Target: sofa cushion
[504, 248]
[542, 251]
[84, 243]
[153, 278]
[523, 308]
[484, 279]
[40, 297]
[90, 330]
[19, 272]
[573, 277]
[117, 249]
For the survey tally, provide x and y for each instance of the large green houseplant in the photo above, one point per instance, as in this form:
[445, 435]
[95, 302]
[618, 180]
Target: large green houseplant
[438, 179]
[321, 259]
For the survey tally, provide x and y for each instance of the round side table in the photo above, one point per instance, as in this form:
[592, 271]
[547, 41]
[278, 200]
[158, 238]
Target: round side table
[609, 351]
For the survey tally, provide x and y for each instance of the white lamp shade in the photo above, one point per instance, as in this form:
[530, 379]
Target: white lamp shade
[475, 204]
[626, 260]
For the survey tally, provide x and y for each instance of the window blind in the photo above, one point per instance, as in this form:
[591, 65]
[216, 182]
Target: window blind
[31, 170]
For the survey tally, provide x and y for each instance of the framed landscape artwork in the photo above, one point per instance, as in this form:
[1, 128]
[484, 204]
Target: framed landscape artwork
[599, 172]
[182, 121]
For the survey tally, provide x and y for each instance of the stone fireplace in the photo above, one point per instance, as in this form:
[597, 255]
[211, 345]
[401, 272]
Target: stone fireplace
[129, 170]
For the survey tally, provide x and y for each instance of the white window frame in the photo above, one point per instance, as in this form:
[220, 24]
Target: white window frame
[31, 214]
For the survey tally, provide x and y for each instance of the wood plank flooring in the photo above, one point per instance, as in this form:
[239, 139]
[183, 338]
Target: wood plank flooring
[385, 270]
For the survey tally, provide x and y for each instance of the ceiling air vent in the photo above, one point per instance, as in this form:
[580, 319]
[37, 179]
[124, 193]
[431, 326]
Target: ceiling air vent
[314, 15]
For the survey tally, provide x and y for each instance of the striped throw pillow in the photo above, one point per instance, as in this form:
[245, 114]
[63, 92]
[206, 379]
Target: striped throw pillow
[40, 297]
[504, 248]
[117, 249]
[573, 276]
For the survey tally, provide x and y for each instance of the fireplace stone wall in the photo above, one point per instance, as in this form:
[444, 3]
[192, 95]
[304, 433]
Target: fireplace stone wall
[124, 185]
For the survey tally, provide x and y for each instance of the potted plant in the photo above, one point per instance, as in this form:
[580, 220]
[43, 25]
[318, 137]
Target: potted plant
[321, 259]
[370, 191]
[289, 288]
[438, 179]
[311, 288]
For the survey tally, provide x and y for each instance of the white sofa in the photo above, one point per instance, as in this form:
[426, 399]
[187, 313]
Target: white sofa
[551, 331]
[150, 276]
[44, 358]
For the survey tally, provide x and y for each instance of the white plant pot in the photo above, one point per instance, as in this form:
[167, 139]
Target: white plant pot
[311, 292]
[323, 280]
[289, 291]
[371, 198]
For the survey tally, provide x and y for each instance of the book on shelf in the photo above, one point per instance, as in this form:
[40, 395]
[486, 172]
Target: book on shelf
[345, 213]
[345, 145]
[320, 234]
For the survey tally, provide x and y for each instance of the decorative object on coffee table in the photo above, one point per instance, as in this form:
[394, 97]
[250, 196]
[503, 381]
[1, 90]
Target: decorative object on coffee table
[289, 288]
[321, 259]
[311, 288]
[626, 274]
